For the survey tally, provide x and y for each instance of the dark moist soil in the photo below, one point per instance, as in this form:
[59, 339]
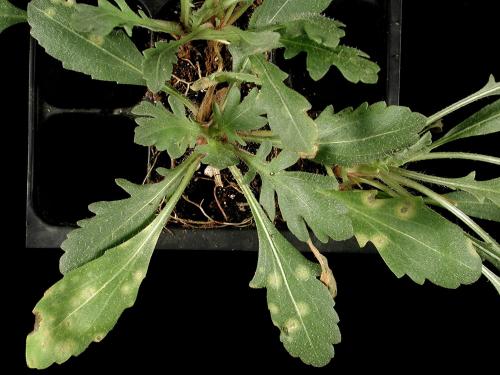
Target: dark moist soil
[209, 201]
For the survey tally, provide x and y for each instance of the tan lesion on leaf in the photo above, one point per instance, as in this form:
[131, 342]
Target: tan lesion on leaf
[302, 273]
[380, 241]
[369, 199]
[405, 210]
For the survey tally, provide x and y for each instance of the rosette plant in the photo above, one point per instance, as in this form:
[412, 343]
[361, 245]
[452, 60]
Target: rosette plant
[241, 115]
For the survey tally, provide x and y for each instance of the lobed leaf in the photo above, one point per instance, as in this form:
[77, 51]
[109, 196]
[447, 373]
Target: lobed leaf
[352, 63]
[484, 122]
[470, 205]
[218, 155]
[110, 58]
[240, 115]
[286, 109]
[104, 17]
[366, 134]
[281, 11]
[170, 131]
[159, 63]
[85, 305]
[115, 222]
[316, 27]
[482, 190]
[412, 239]
[10, 15]
[300, 305]
[304, 200]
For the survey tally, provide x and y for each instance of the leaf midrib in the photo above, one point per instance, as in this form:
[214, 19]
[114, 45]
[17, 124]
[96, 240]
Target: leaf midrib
[124, 62]
[407, 235]
[472, 127]
[305, 144]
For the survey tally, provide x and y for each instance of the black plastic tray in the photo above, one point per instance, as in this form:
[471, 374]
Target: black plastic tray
[79, 141]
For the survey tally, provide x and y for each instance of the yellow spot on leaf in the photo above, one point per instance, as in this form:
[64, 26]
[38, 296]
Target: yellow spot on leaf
[303, 309]
[274, 309]
[380, 241]
[50, 12]
[302, 273]
[291, 326]
[405, 210]
[369, 199]
[96, 39]
[274, 280]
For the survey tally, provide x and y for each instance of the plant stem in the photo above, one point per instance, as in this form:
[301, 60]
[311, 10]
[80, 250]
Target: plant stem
[486, 253]
[169, 27]
[494, 279]
[379, 186]
[398, 176]
[188, 103]
[239, 12]
[442, 181]
[329, 171]
[394, 185]
[185, 12]
[457, 155]
[191, 167]
[492, 88]
[260, 136]
[228, 15]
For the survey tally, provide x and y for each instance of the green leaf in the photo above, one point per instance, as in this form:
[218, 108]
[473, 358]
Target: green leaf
[110, 58]
[219, 77]
[352, 63]
[115, 222]
[303, 199]
[218, 155]
[10, 15]
[286, 109]
[242, 43]
[240, 115]
[316, 27]
[281, 11]
[487, 251]
[366, 134]
[412, 239]
[170, 131]
[102, 19]
[85, 305]
[492, 88]
[484, 122]
[159, 63]
[469, 204]
[300, 305]
[482, 190]
[404, 156]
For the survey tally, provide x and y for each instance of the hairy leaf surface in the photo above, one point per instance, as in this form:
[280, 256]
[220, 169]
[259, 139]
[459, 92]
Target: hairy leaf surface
[367, 133]
[286, 109]
[170, 131]
[115, 222]
[412, 239]
[10, 15]
[110, 58]
[300, 305]
[282, 11]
